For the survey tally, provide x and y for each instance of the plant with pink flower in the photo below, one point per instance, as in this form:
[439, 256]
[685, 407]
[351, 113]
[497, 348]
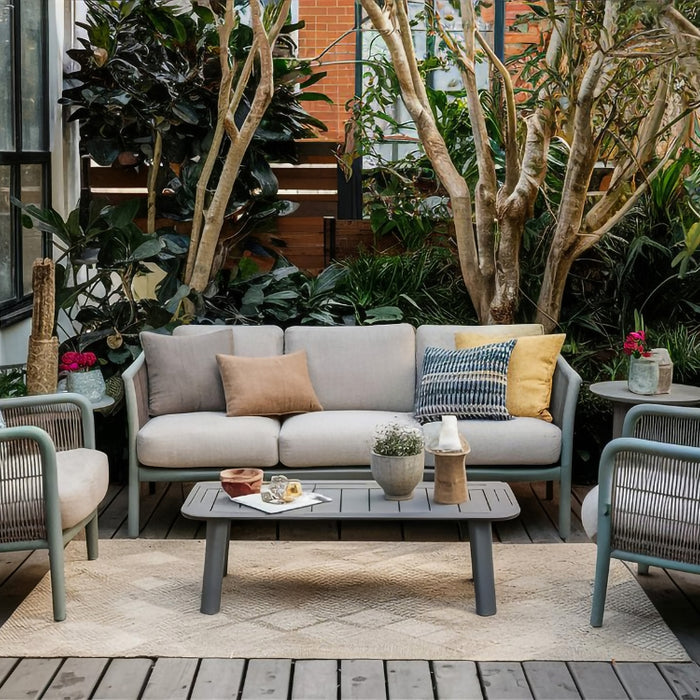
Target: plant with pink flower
[77, 361]
[636, 344]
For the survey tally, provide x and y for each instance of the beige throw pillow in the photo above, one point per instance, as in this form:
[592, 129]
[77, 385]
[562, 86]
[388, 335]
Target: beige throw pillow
[267, 386]
[182, 372]
[530, 370]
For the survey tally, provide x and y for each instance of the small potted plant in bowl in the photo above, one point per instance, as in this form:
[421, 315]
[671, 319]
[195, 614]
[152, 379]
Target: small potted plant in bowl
[397, 460]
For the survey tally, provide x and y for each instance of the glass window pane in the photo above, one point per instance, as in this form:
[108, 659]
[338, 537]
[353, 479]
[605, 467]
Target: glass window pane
[32, 193]
[6, 122]
[32, 82]
[6, 250]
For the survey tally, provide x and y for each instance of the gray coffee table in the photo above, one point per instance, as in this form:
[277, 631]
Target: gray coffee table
[356, 500]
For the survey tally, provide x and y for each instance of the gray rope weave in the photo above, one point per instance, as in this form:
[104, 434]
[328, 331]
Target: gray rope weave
[61, 421]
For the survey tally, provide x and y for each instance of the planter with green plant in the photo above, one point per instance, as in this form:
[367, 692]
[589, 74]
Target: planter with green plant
[397, 460]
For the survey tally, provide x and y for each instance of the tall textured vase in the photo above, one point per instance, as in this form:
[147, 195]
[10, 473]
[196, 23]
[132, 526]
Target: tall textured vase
[90, 384]
[643, 377]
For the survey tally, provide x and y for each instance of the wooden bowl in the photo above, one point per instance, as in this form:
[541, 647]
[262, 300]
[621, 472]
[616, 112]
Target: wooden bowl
[241, 482]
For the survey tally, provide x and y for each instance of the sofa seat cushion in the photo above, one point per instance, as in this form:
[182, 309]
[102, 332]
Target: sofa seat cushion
[516, 442]
[83, 478]
[208, 439]
[332, 438]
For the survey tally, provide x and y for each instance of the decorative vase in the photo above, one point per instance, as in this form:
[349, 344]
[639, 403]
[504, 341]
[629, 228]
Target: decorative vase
[643, 377]
[663, 359]
[397, 476]
[90, 384]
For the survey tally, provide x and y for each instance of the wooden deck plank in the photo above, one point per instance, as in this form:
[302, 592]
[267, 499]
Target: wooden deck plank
[124, 678]
[643, 681]
[165, 512]
[22, 581]
[578, 534]
[597, 679]
[371, 531]
[315, 530]
[550, 680]
[76, 679]
[218, 678]
[6, 666]
[267, 678]
[503, 681]
[112, 513]
[315, 679]
[456, 680]
[539, 526]
[431, 531]
[171, 678]
[362, 679]
[29, 678]
[684, 679]
[409, 680]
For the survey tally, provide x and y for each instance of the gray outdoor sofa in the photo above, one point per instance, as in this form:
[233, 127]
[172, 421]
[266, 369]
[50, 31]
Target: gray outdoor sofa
[362, 376]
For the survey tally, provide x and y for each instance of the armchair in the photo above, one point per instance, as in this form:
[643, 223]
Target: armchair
[52, 479]
[649, 496]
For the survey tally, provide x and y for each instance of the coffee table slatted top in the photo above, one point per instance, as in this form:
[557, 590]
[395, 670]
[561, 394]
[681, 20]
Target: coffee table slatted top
[353, 500]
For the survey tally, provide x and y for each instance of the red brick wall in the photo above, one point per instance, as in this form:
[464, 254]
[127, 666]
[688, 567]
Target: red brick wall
[327, 21]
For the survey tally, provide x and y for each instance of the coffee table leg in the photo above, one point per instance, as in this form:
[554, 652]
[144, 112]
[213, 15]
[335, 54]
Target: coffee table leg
[214, 565]
[482, 566]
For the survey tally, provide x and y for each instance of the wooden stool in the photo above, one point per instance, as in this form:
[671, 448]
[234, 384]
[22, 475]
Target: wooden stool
[451, 475]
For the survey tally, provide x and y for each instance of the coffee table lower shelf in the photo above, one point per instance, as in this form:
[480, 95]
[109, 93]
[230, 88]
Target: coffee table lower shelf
[356, 500]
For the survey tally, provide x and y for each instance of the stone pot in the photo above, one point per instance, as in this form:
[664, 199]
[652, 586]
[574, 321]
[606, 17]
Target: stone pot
[398, 476]
[643, 377]
[90, 384]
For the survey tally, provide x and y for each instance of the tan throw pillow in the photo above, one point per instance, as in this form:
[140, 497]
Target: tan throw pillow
[267, 386]
[182, 371]
[530, 370]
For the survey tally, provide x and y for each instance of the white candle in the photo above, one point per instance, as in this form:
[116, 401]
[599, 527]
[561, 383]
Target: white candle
[449, 436]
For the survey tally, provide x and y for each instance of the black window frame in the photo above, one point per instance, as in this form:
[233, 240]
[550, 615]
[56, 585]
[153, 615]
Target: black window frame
[19, 306]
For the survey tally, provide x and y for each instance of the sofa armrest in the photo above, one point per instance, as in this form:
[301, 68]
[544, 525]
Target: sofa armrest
[135, 379]
[565, 388]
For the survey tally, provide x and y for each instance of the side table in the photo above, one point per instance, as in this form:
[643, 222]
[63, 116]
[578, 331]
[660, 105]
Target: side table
[623, 399]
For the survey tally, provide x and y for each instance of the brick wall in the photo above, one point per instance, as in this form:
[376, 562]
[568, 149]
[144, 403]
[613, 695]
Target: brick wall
[327, 21]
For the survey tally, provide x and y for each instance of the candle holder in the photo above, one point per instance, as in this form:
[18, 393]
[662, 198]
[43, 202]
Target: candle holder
[450, 474]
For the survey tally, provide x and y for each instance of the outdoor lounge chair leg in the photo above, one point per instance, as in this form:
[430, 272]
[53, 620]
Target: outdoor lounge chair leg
[58, 582]
[564, 509]
[549, 491]
[600, 586]
[92, 538]
[643, 569]
[134, 505]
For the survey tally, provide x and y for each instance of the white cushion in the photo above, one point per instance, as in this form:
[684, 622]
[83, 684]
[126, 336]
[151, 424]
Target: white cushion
[359, 367]
[444, 336]
[332, 438]
[208, 439]
[516, 442]
[83, 478]
[589, 513]
[249, 341]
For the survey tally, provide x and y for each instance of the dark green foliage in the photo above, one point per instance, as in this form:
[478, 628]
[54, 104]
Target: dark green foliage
[13, 381]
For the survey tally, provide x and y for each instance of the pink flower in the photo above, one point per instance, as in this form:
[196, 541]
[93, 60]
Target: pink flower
[77, 361]
[635, 344]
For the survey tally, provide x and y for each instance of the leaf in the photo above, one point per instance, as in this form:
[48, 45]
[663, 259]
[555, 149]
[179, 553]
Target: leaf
[148, 249]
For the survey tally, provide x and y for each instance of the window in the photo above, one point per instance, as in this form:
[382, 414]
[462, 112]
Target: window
[24, 146]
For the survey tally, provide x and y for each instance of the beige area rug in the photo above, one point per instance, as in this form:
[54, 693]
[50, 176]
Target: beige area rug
[339, 600]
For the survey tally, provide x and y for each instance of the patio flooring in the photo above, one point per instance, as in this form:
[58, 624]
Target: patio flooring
[676, 596]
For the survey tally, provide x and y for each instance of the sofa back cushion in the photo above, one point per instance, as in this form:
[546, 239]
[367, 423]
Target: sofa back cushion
[359, 367]
[182, 372]
[444, 336]
[248, 341]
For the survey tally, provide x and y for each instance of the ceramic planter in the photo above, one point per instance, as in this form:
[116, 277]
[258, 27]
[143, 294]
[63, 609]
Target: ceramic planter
[398, 476]
[90, 384]
[643, 377]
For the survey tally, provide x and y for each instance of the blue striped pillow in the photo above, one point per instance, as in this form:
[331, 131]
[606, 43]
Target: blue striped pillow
[464, 383]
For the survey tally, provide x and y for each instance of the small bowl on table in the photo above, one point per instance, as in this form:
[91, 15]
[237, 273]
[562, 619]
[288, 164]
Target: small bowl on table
[241, 482]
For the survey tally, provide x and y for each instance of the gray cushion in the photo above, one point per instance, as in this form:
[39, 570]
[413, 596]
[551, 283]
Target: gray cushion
[516, 442]
[248, 341]
[359, 367]
[332, 438]
[464, 383]
[182, 371]
[208, 439]
[83, 478]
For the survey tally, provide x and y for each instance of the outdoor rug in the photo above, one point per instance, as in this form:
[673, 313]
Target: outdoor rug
[339, 600]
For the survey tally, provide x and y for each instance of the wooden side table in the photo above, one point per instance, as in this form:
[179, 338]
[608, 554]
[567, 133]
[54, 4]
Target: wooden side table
[623, 399]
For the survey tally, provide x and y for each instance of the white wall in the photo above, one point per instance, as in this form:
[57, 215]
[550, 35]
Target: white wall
[65, 167]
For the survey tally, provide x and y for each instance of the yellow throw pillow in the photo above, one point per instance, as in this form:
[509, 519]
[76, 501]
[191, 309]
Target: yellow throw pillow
[530, 370]
[267, 386]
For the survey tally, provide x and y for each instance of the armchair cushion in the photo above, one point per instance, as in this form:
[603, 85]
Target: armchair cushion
[83, 478]
[182, 372]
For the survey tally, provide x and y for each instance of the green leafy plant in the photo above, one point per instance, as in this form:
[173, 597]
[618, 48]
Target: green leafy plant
[13, 381]
[397, 440]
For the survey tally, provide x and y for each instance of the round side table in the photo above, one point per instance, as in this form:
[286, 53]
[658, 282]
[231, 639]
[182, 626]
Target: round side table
[623, 399]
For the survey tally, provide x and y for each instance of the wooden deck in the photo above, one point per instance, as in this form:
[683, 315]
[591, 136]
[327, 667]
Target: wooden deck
[676, 595]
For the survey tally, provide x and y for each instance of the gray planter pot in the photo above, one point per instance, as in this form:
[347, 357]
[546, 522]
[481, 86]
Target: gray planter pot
[398, 476]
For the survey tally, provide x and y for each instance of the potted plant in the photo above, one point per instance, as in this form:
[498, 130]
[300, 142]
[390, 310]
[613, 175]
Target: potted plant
[82, 377]
[397, 459]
